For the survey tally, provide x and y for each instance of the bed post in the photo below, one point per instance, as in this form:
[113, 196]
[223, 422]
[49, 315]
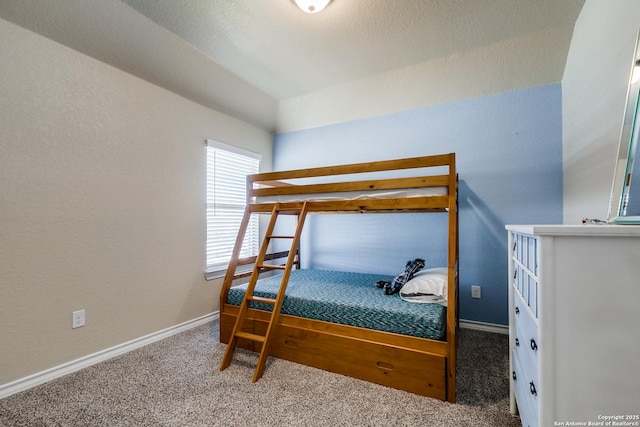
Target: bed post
[452, 291]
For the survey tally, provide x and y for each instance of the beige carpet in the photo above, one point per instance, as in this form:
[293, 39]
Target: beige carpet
[176, 382]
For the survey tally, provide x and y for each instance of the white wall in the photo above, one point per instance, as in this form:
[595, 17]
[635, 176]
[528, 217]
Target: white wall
[500, 67]
[594, 88]
[102, 204]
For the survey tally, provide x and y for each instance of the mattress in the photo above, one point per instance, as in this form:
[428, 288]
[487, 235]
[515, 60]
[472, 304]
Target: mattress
[350, 299]
[355, 195]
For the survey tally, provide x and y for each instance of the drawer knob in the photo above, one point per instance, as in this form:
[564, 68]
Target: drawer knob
[534, 346]
[532, 388]
[515, 274]
[517, 310]
[514, 375]
[517, 342]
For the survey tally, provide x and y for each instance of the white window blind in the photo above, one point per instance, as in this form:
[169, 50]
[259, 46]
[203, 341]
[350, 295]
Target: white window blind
[227, 170]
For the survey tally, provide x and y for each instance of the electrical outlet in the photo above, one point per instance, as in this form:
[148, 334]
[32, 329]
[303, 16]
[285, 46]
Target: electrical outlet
[475, 291]
[78, 319]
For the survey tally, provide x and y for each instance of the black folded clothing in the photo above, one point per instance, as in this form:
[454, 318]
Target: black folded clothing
[398, 282]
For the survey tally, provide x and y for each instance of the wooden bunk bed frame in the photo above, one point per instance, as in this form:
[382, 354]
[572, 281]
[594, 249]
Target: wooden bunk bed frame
[418, 365]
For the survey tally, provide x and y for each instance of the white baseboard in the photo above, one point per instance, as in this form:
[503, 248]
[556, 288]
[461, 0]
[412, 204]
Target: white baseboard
[482, 326]
[22, 384]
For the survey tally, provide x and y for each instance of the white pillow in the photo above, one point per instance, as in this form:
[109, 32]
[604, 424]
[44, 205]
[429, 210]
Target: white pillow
[430, 281]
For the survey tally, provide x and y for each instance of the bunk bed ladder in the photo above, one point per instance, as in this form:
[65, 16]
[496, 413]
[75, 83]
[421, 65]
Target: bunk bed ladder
[259, 267]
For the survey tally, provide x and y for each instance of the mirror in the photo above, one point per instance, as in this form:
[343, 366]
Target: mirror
[624, 207]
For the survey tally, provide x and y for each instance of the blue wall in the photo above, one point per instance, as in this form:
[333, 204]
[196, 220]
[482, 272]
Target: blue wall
[509, 157]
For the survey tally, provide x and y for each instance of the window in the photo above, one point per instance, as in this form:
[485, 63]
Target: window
[227, 169]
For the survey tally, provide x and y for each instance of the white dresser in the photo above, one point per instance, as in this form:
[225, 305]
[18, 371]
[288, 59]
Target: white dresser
[574, 323]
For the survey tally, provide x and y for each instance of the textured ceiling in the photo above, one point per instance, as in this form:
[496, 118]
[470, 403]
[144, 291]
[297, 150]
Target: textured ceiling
[215, 52]
[286, 52]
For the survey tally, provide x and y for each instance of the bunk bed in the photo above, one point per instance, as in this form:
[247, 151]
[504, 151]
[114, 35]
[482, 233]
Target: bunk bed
[416, 353]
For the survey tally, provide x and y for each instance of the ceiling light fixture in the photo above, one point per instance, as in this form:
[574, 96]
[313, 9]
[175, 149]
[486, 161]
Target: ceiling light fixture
[311, 6]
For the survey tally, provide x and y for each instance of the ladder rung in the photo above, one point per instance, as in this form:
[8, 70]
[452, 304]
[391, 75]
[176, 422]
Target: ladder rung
[272, 267]
[261, 299]
[250, 336]
[281, 237]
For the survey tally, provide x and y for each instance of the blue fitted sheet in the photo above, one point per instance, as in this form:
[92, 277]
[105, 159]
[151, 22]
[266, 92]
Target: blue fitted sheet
[349, 299]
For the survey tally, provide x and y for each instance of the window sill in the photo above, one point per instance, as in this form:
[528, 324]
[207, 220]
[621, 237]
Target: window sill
[212, 275]
[219, 274]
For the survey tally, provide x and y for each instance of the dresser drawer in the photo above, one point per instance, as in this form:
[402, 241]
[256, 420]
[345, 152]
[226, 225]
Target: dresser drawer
[525, 251]
[532, 295]
[520, 278]
[523, 318]
[527, 286]
[526, 349]
[526, 393]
